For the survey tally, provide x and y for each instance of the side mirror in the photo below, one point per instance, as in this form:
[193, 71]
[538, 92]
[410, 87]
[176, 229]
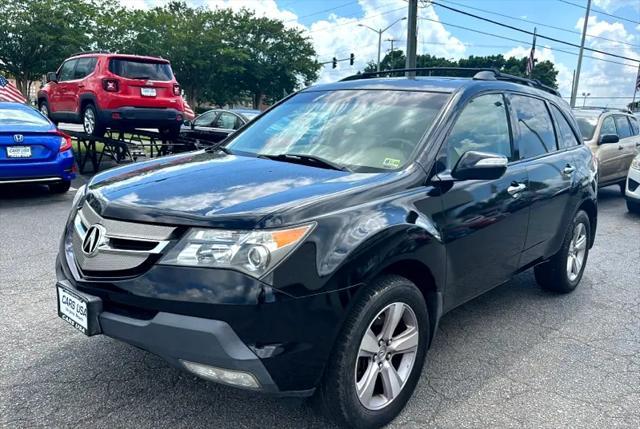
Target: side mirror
[474, 165]
[52, 77]
[609, 138]
[186, 123]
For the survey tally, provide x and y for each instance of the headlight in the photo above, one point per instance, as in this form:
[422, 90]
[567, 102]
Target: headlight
[635, 164]
[78, 196]
[252, 252]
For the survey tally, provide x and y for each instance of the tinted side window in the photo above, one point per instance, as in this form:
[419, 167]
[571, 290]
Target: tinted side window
[566, 137]
[624, 130]
[206, 119]
[634, 126]
[608, 127]
[482, 126]
[66, 71]
[84, 67]
[536, 135]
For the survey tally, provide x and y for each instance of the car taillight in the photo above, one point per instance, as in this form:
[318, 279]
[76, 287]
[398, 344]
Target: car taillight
[176, 89]
[65, 141]
[110, 85]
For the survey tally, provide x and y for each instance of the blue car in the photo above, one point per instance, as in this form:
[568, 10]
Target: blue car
[32, 150]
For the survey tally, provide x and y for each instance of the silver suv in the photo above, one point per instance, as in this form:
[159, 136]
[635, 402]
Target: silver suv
[614, 138]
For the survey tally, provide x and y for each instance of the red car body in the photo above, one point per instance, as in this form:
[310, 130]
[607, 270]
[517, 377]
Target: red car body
[103, 90]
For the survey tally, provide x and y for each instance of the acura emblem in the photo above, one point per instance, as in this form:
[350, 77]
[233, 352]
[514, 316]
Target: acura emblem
[93, 239]
[18, 138]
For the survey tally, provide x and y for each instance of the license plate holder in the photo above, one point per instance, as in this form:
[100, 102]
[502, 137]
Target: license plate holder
[18, 151]
[148, 92]
[79, 310]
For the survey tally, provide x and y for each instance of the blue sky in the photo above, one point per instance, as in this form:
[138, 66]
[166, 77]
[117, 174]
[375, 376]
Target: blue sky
[333, 27]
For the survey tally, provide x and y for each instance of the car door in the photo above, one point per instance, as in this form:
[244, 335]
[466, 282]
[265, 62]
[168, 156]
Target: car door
[547, 143]
[627, 142]
[66, 86]
[84, 67]
[609, 154]
[203, 125]
[484, 222]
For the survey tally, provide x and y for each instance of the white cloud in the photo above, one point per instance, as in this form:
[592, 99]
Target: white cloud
[266, 8]
[604, 79]
[613, 5]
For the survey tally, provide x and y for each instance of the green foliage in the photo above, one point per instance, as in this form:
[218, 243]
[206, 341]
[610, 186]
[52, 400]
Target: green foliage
[218, 56]
[544, 71]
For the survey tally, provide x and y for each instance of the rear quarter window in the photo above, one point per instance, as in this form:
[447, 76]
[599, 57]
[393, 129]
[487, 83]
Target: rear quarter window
[566, 136]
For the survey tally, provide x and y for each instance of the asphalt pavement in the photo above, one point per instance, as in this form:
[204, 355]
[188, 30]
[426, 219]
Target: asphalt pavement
[514, 357]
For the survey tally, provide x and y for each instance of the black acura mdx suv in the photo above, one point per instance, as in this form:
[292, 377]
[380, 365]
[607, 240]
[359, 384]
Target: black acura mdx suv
[316, 250]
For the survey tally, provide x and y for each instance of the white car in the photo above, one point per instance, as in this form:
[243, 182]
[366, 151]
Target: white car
[632, 190]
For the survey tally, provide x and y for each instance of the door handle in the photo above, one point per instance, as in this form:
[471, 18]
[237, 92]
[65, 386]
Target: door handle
[515, 189]
[620, 148]
[568, 170]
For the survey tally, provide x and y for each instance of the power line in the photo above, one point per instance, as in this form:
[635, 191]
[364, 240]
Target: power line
[600, 12]
[538, 23]
[531, 33]
[322, 11]
[358, 21]
[524, 42]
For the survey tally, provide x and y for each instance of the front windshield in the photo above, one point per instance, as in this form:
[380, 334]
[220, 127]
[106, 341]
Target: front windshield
[362, 130]
[587, 126]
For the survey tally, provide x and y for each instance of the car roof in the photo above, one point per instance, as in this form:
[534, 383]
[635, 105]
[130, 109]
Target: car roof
[123, 56]
[433, 84]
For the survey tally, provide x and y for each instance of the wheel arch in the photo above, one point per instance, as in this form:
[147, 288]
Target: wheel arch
[589, 207]
[85, 99]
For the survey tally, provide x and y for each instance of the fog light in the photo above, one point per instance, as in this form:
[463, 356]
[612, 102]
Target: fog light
[220, 375]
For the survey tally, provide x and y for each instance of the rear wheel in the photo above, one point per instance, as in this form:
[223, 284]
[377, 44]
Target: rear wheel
[563, 271]
[378, 357]
[60, 187]
[91, 122]
[633, 206]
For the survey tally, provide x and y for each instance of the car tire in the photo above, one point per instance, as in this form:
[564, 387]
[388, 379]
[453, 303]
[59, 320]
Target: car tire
[623, 186]
[557, 275]
[170, 133]
[43, 107]
[338, 392]
[60, 187]
[633, 206]
[91, 121]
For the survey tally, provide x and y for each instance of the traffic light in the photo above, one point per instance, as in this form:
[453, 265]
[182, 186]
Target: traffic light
[334, 63]
[351, 59]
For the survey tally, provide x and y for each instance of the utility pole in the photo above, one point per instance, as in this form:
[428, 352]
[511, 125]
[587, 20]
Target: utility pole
[380, 31]
[392, 41]
[412, 37]
[574, 89]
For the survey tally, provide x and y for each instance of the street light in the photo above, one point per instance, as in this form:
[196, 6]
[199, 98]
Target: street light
[584, 97]
[380, 35]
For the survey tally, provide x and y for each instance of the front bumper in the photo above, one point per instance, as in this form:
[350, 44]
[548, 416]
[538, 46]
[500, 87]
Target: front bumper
[24, 171]
[632, 188]
[179, 338]
[141, 117]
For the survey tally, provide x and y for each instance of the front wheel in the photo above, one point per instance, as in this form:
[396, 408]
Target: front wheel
[91, 122]
[563, 271]
[378, 357]
[44, 109]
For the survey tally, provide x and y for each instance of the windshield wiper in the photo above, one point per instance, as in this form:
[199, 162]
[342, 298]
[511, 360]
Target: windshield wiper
[299, 158]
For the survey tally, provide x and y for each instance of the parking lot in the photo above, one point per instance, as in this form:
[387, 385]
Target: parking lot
[515, 357]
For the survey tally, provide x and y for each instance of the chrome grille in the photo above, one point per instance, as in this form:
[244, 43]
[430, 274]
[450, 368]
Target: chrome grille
[124, 247]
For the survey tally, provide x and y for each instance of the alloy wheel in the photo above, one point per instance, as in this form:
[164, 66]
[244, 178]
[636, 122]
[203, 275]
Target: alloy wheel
[44, 110]
[386, 355]
[89, 121]
[577, 251]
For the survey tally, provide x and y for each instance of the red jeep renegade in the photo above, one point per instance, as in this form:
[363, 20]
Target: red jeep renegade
[102, 90]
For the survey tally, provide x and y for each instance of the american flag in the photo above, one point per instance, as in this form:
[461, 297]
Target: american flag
[188, 111]
[531, 60]
[8, 91]
[638, 79]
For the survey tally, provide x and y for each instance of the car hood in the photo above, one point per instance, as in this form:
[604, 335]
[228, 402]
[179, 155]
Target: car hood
[222, 190]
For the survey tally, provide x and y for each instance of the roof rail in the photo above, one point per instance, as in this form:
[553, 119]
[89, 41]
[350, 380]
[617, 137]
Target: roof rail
[90, 52]
[477, 73]
[605, 109]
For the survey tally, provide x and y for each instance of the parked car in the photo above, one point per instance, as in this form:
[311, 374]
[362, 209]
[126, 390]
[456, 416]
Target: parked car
[32, 150]
[216, 125]
[102, 90]
[317, 250]
[614, 137]
[632, 191]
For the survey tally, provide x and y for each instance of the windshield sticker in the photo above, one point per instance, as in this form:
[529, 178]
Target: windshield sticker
[391, 163]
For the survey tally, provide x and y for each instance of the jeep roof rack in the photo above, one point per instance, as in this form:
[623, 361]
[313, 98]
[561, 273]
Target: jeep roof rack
[90, 52]
[476, 73]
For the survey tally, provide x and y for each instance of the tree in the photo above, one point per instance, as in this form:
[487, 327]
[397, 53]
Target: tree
[544, 71]
[38, 35]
